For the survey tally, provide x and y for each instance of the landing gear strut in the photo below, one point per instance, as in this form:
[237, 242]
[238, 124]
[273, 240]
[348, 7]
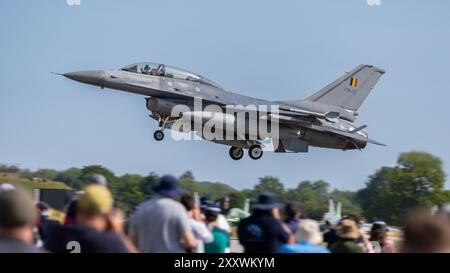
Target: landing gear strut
[236, 153]
[159, 134]
[255, 152]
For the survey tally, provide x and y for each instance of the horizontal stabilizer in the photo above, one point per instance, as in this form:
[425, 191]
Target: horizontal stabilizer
[358, 129]
[350, 135]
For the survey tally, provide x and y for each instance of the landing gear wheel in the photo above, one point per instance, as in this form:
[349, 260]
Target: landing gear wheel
[158, 135]
[255, 152]
[236, 153]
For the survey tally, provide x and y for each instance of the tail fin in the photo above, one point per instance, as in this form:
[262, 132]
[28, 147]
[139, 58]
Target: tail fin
[350, 90]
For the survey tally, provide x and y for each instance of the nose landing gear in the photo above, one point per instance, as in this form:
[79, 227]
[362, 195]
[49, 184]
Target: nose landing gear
[159, 134]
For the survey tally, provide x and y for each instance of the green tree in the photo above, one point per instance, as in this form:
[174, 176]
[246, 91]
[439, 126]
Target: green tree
[187, 176]
[128, 191]
[88, 171]
[189, 185]
[237, 199]
[215, 190]
[26, 173]
[48, 174]
[271, 184]
[69, 176]
[148, 183]
[416, 181]
[312, 197]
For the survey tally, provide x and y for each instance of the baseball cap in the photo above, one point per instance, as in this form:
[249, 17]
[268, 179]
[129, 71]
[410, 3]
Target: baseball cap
[96, 199]
[98, 179]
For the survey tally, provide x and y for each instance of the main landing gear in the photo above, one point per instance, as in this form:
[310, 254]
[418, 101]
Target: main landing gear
[255, 152]
[236, 153]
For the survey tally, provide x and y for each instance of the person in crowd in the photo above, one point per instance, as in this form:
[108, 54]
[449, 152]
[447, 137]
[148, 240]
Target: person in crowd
[199, 228]
[308, 237]
[98, 179]
[221, 219]
[348, 234]
[330, 235]
[70, 211]
[378, 233]
[161, 224]
[225, 205]
[292, 216]
[363, 239]
[426, 233]
[221, 239]
[98, 227]
[325, 226]
[45, 224]
[17, 217]
[71, 208]
[263, 230]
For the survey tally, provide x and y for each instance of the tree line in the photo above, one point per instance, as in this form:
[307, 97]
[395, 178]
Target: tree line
[417, 180]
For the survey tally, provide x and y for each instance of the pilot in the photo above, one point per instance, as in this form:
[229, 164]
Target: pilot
[160, 70]
[146, 69]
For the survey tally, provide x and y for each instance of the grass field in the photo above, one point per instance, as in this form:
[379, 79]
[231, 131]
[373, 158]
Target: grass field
[34, 184]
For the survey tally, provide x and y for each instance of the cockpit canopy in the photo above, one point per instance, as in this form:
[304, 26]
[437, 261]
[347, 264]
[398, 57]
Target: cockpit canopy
[156, 69]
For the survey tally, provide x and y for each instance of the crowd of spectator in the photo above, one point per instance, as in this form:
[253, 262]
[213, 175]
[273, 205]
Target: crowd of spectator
[173, 222]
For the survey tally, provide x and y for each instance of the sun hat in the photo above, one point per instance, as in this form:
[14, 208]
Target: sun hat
[266, 201]
[168, 187]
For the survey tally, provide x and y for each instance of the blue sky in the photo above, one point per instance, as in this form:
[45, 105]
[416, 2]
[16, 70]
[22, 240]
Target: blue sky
[269, 49]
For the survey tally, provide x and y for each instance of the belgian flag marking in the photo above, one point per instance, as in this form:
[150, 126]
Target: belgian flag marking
[354, 82]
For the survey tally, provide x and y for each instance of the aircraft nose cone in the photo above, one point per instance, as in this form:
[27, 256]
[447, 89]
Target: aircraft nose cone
[95, 77]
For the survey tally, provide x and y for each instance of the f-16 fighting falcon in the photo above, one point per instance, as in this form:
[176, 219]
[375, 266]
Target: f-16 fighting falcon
[324, 119]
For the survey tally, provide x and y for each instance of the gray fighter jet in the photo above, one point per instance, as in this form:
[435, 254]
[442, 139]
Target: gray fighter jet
[324, 119]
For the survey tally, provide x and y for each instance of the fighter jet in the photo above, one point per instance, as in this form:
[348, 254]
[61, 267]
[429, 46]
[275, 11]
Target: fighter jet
[324, 119]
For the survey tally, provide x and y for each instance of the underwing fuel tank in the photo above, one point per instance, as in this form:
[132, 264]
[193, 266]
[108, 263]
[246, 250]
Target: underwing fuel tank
[164, 106]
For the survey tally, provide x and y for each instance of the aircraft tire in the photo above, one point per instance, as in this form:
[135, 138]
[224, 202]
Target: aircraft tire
[255, 152]
[158, 135]
[236, 153]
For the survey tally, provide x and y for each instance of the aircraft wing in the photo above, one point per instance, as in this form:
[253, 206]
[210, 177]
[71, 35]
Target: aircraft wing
[354, 136]
[295, 121]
